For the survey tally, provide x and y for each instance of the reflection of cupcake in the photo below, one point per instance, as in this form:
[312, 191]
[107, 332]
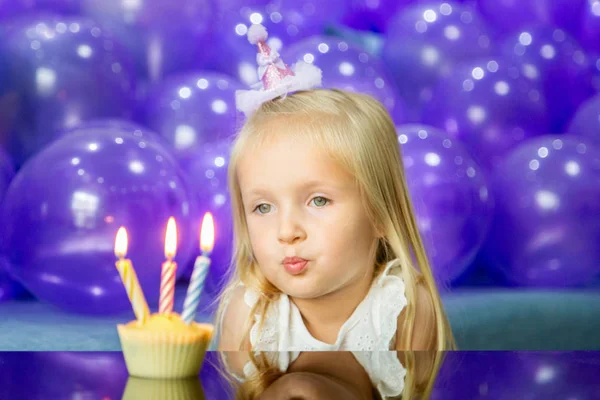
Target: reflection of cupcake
[167, 389]
[164, 346]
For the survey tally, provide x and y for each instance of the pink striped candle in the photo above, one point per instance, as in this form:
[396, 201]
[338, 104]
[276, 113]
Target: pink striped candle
[169, 268]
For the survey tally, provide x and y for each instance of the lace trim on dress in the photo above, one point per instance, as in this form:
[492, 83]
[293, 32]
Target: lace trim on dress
[385, 371]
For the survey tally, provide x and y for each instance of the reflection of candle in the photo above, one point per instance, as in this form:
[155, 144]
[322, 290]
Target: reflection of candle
[207, 239]
[129, 278]
[167, 282]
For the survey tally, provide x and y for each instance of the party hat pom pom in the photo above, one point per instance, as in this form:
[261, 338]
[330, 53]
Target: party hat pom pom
[257, 33]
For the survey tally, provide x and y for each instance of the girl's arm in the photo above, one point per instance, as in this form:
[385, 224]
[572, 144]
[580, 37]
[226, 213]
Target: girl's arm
[425, 329]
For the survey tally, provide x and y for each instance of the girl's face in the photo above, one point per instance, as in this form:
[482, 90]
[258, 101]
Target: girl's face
[300, 203]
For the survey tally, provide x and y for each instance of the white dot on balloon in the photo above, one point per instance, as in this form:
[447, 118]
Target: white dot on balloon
[572, 168]
[543, 152]
[468, 85]
[534, 165]
[429, 15]
[471, 172]
[256, 18]
[421, 26]
[422, 134]
[445, 9]
[402, 138]
[308, 58]
[547, 51]
[492, 66]
[557, 144]
[581, 148]
[501, 88]
[452, 32]
[323, 48]
[525, 38]
[477, 73]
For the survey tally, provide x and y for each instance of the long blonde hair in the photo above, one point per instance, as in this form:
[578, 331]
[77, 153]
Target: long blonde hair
[357, 132]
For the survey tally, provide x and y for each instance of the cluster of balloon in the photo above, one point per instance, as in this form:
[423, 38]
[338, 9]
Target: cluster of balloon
[348, 67]
[287, 21]
[547, 218]
[490, 106]
[451, 197]
[163, 36]
[192, 109]
[55, 63]
[535, 375]
[512, 16]
[425, 42]
[65, 205]
[554, 59]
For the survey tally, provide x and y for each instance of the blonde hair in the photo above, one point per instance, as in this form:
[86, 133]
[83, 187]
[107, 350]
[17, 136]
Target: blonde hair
[266, 373]
[357, 131]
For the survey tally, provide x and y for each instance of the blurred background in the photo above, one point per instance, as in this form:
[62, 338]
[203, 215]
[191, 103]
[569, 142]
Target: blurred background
[121, 113]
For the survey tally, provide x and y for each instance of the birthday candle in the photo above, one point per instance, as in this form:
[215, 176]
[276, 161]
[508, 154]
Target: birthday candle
[169, 267]
[129, 278]
[201, 265]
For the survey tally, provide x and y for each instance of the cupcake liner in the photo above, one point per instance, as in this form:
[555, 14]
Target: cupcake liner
[164, 354]
[163, 389]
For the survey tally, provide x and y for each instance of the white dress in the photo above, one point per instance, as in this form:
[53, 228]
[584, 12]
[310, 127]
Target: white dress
[369, 332]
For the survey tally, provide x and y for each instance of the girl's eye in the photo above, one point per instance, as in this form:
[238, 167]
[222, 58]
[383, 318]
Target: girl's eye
[263, 208]
[320, 201]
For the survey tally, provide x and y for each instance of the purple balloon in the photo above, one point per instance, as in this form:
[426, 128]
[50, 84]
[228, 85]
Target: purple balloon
[546, 226]
[509, 16]
[287, 21]
[586, 121]
[206, 167]
[63, 70]
[554, 59]
[490, 106]
[64, 207]
[348, 67]
[374, 16]
[191, 109]
[164, 36]
[517, 375]
[424, 43]
[450, 195]
[7, 172]
[589, 32]
[13, 8]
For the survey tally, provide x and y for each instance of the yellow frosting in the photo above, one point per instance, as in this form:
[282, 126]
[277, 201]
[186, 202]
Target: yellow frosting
[162, 322]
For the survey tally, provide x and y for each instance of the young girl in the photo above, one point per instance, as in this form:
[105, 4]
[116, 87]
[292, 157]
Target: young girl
[327, 254]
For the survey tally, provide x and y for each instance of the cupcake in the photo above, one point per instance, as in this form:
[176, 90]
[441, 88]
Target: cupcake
[163, 389]
[164, 346]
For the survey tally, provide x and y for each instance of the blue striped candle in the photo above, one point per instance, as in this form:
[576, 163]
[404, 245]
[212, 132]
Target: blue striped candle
[192, 299]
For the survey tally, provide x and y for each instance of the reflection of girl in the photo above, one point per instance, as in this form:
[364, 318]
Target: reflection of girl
[326, 375]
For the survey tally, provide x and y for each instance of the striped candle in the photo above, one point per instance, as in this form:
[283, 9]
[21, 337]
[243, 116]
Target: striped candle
[167, 287]
[129, 278]
[169, 267]
[192, 298]
[134, 290]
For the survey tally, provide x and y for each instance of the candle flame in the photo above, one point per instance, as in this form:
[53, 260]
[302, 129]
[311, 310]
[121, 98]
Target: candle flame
[207, 233]
[121, 243]
[171, 239]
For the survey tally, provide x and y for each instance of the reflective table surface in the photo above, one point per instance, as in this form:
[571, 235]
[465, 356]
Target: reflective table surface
[311, 375]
